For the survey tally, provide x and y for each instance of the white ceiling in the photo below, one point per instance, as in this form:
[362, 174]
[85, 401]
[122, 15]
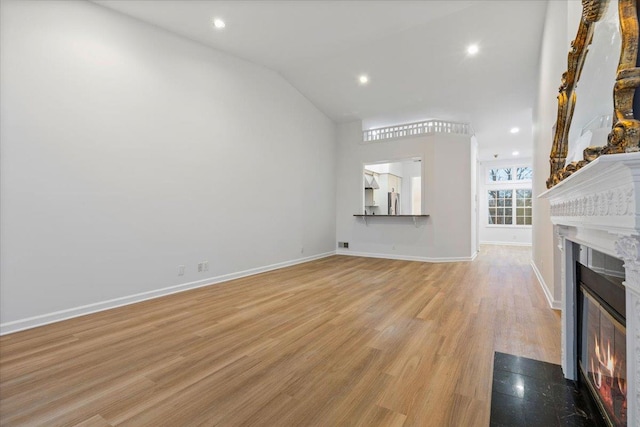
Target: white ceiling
[414, 53]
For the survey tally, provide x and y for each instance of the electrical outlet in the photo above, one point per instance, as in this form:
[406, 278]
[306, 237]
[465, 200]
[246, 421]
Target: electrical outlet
[199, 267]
[302, 250]
[205, 265]
[181, 270]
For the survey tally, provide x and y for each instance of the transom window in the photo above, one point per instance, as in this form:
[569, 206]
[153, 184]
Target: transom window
[524, 173]
[520, 173]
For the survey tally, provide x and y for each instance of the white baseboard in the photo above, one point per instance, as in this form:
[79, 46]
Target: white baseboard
[45, 319]
[506, 243]
[556, 305]
[405, 257]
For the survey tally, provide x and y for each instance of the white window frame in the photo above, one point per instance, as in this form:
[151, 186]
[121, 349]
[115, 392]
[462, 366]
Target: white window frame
[513, 207]
[511, 185]
[511, 181]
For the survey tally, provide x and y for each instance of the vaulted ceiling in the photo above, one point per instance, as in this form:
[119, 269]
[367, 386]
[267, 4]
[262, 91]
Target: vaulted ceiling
[414, 53]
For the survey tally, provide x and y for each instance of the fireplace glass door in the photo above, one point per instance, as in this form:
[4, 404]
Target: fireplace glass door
[603, 358]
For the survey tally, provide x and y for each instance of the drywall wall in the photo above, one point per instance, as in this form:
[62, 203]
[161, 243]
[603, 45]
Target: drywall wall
[553, 62]
[561, 26]
[128, 151]
[475, 238]
[500, 234]
[446, 194]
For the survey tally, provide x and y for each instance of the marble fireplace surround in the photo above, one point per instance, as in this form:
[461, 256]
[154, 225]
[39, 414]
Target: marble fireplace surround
[599, 207]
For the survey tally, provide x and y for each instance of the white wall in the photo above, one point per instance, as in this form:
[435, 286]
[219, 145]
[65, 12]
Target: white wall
[560, 28]
[447, 193]
[593, 99]
[410, 170]
[500, 234]
[127, 151]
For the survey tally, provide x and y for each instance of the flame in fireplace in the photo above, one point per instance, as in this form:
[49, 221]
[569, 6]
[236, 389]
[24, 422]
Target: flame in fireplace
[608, 377]
[605, 360]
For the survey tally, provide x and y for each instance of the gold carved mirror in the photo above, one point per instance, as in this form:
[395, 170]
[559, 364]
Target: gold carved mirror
[624, 136]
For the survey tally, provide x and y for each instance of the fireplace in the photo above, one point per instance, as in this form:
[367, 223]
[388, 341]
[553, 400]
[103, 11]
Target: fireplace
[598, 208]
[602, 342]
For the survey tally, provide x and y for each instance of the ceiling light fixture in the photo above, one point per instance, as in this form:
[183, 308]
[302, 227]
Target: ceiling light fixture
[363, 79]
[472, 49]
[514, 130]
[219, 23]
[515, 153]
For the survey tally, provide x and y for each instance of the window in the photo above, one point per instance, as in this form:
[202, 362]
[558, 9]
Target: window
[524, 173]
[502, 174]
[501, 207]
[523, 207]
[501, 203]
[509, 195]
[513, 174]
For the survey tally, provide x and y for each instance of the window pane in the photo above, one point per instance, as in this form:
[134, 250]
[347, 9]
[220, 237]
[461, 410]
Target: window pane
[523, 209]
[524, 194]
[492, 196]
[500, 207]
[502, 174]
[524, 173]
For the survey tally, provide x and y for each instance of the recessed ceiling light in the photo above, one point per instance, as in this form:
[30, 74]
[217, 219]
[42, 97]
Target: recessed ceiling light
[514, 130]
[363, 79]
[219, 23]
[472, 49]
[515, 153]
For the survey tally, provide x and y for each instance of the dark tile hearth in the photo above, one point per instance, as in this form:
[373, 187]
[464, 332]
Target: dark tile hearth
[529, 392]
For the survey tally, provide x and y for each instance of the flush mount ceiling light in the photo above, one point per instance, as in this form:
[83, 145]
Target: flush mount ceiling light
[515, 153]
[472, 49]
[363, 79]
[219, 23]
[514, 130]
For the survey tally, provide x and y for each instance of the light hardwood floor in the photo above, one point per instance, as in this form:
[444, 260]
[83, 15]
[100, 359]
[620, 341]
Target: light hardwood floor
[339, 341]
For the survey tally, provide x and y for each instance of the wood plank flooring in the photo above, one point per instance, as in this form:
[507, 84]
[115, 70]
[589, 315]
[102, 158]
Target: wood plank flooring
[341, 341]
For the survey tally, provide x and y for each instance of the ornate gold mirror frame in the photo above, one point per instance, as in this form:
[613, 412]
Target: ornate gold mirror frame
[625, 133]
